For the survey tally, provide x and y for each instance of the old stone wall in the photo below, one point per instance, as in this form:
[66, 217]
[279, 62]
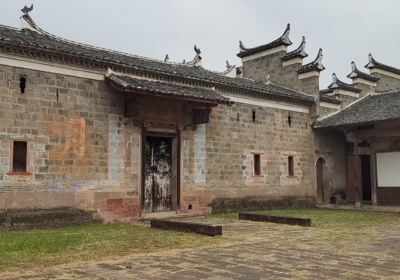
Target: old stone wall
[365, 88]
[325, 111]
[232, 140]
[258, 68]
[75, 134]
[347, 100]
[83, 153]
[271, 66]
[330, 146]
[386, 82]
[310, 85]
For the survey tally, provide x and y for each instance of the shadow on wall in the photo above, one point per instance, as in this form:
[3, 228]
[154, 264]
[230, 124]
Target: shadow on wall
[226, 205]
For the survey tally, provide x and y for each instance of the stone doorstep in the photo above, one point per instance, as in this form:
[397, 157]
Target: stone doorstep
[174, 214]
[124, 214]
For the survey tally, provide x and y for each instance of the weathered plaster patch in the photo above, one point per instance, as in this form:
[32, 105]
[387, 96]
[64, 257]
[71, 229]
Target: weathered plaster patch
[115, 148]
[200, 155]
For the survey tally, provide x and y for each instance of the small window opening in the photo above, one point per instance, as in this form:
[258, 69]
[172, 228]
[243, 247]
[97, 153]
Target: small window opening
[290, 166]
[289, 120]
[190, 207]
[254, 115]
[19, 156]
[237, 117]
[257, 165]
[22, 84]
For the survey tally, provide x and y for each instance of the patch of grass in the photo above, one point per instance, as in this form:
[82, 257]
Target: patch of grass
[337, 219]
[33, 248]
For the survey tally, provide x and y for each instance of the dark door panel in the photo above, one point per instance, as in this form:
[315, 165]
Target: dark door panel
[158, 174]
[366, 177]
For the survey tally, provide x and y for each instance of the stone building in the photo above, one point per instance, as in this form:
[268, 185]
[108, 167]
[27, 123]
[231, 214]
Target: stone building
[367, 126]
[102, 130]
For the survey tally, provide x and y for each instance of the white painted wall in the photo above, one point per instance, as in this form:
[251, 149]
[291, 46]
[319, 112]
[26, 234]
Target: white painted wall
[388, 169]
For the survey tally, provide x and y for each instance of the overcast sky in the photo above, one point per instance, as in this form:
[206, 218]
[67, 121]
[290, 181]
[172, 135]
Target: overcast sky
[346, 30]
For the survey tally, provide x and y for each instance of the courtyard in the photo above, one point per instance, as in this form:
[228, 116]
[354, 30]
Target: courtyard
[341, 244]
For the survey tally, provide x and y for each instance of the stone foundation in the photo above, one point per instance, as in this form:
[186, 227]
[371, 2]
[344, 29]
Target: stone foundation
[44, 218]
[222, 205]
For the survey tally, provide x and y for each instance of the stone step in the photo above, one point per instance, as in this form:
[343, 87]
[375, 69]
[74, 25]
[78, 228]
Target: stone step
[44, 218]
[173, 214]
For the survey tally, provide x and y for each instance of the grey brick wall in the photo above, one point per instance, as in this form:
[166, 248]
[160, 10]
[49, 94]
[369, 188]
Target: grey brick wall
[231, 140]
[386, 82]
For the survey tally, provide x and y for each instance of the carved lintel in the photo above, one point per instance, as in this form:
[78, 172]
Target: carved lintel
[146, 124]
[163, 125]
[180, 126]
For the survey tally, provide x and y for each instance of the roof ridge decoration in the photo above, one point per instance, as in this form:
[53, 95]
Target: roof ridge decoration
[315, 65]
[299, 52]
[196, 61]
[338, 84]
[27, 10]
[355, 73]
[28, 23]
[283, 40]
[229, 72]
[372, 63]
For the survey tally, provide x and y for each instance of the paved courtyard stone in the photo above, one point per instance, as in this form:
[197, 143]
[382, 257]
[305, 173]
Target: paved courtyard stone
[254, 250]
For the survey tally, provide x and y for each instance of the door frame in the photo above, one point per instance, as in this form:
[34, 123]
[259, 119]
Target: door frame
[176, 145]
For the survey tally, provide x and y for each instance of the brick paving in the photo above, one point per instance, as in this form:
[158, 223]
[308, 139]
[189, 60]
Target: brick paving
[255, 250]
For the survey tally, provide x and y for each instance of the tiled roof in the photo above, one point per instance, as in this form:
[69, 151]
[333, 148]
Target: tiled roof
[315, 65]
[128, 83]
[329, 98]
[281, 41]
[375, 64]
[338, 84]
[299, 52]
[47, 44]
[372, 108]
[355, 73]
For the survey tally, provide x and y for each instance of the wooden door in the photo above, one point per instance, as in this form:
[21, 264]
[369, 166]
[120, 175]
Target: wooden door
[366, 177]
[158, 191]
[352, 164]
